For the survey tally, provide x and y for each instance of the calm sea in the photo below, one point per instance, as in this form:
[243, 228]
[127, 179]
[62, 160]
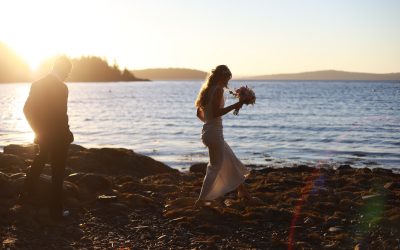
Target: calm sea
[356, 123]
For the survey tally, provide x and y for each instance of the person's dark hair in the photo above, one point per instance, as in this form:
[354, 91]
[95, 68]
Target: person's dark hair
[220, 72]
[62, 65]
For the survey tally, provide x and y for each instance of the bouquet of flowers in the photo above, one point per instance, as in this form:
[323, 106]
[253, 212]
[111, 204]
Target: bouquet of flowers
[245, 95]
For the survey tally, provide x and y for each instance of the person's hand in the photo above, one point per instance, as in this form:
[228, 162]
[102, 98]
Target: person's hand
[239, 105]
[38, 137]
[70, 137]
[200, 114]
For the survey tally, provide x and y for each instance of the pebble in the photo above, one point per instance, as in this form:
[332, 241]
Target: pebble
[335, 229]
[372, 196]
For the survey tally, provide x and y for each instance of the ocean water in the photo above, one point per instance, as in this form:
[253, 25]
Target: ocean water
[315, 122]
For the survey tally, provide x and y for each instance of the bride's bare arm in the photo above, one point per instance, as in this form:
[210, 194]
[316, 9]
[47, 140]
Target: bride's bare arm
[200, 114]
[217, 111]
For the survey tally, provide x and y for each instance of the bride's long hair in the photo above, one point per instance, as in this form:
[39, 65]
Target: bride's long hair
[220, 72]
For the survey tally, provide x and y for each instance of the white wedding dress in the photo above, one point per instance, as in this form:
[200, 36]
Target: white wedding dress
[224, 171]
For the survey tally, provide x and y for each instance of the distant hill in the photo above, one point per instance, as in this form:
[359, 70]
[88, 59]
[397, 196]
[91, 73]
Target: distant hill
[170, 74]
[333, 75]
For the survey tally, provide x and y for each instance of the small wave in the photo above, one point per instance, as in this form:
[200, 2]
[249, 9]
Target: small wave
[358, 154]
[296, 140]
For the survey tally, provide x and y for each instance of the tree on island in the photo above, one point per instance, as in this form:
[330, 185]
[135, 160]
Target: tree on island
[93, 69]
[96, 69]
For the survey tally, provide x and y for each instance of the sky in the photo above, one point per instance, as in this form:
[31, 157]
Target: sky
[252, 37]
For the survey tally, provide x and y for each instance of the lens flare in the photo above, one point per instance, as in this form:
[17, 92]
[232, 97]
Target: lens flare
[305, 192]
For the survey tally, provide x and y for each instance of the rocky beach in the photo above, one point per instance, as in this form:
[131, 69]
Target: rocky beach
[119, 199]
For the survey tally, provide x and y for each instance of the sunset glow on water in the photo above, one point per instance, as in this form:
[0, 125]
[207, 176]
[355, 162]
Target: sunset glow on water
[344, 122]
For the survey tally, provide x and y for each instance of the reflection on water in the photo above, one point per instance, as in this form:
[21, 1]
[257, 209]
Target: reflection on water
[14, 128]
[347, 122]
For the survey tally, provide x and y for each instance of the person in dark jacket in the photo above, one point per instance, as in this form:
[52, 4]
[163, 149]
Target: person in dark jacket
[46, 111]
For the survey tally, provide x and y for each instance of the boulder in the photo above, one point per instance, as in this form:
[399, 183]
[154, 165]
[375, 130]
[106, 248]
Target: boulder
[3, 179]
[10, 160]
[115, 161]
[74, 177]
[94, 183]
[110, 161]
[344, 167]
[364, 171]
[26, 151]
[304, 168]
[198, 168]
[5, 185]
[43, 192]
[130, 186]
[382, 171]
[17, 176]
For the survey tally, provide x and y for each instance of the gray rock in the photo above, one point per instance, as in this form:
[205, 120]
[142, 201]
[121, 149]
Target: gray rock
[5, 185]
[94, 182]
[198, 168]
[110, 161]
[43, 191]
[74, 177]
[27, 151]
[11, 163]
[116, 161]
[382, 171]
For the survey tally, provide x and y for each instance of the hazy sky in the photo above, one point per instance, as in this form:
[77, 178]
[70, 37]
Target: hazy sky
[251, 36]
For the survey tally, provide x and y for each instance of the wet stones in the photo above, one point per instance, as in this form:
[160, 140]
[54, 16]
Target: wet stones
[27, 151]
[94, 183]
[198, 168]
[117, 201]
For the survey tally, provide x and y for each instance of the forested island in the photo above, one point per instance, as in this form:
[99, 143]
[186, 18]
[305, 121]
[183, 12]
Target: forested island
[96, 69]
[85, 69]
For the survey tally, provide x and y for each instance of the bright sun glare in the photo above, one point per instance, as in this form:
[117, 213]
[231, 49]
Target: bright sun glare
[33, 58]
[37, 34]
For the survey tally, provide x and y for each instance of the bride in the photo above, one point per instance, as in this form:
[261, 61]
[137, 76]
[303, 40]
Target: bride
[225, 172]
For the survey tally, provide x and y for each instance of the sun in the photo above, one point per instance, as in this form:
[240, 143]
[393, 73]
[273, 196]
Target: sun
[32, 54]
[33, 59]
[37, 34]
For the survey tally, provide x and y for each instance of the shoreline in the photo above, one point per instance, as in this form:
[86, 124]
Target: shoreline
[120, 199]
[184, 166]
